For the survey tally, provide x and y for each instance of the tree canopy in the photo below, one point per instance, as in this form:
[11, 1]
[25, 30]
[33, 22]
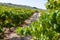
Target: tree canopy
[53, 4]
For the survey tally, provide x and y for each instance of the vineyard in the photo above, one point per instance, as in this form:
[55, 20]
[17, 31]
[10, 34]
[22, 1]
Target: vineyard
[13, 17]
[47, 27]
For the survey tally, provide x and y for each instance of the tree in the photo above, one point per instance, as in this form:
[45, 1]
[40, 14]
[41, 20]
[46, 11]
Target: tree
[53, 4]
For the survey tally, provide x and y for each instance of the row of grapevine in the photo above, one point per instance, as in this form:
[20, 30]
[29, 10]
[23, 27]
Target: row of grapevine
[47, 27]
[13, 17]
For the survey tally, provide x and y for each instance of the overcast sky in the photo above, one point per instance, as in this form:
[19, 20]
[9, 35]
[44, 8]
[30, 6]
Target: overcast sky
[33, 3]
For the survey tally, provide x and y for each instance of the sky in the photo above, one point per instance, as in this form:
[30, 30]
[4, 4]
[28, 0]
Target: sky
[32, 3]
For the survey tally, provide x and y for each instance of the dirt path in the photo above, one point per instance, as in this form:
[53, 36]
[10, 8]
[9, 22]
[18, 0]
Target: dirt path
[10, 34]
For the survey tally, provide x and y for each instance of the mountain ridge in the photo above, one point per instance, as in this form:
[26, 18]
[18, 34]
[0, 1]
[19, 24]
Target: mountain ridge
[19, 6]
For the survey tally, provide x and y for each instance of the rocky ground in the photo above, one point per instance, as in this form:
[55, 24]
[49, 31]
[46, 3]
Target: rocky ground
[10, 34]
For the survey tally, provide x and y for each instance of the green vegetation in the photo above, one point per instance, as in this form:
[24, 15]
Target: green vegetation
[13, 16]
[47, 27]
[53, 4]
[1, 33]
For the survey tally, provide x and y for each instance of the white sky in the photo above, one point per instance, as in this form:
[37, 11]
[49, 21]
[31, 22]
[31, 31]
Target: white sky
[33, 3]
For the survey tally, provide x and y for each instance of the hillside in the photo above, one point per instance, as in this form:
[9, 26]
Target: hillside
[19, 6]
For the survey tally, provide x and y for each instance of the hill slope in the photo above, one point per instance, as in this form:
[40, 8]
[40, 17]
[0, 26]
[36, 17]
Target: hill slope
[15, 5]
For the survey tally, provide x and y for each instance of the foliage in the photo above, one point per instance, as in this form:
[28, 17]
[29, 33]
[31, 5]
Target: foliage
[12, 17]
[47, 27]
[1, 33]
[53, 4]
